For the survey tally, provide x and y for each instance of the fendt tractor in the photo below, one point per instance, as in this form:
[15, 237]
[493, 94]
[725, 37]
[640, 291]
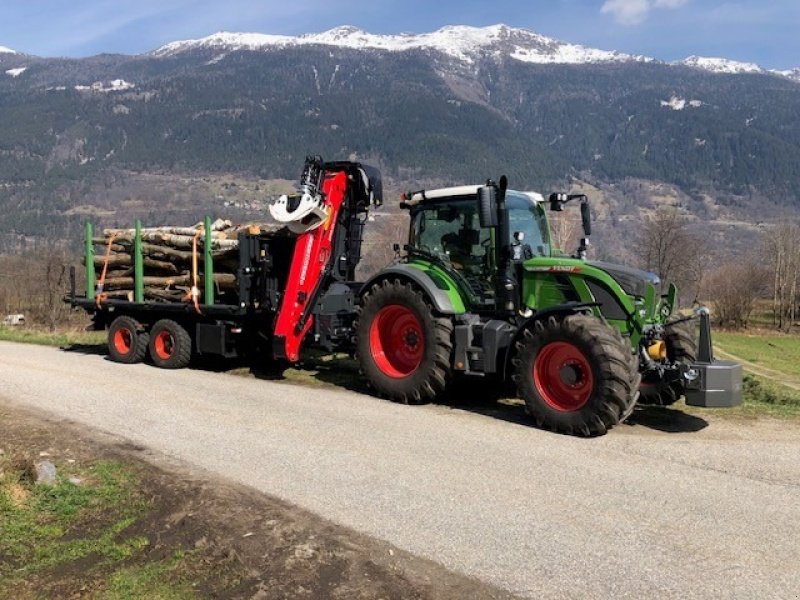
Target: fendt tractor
[478, 290]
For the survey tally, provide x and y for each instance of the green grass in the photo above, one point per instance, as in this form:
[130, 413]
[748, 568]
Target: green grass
[29, 335]
[38, 523]
[769, 350]
[151, 581]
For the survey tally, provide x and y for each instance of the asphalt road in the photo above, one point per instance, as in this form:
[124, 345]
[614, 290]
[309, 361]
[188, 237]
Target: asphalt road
[638, 513]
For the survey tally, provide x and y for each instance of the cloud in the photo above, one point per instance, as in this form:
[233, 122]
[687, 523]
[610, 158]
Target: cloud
[633, 12]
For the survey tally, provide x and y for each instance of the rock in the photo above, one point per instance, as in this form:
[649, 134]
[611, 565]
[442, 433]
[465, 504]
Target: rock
[75, 480]
[45, 473]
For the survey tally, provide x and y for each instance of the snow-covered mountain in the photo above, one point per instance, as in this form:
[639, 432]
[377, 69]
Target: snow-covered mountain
[463, 43]
[4, 50]
[720, 65]
[458, 41]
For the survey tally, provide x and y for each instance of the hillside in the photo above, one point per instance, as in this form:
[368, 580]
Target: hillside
[450, 106]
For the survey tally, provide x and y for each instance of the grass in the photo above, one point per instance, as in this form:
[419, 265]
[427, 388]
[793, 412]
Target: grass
[774, 351]
[155, 581]
[49, 530]
[29, 335]
[38, 523]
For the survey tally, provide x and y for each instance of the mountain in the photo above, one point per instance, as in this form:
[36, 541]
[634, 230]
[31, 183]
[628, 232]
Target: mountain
[187, 127]
[467, 44]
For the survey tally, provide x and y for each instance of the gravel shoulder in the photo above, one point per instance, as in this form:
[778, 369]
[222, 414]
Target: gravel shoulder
[690, 507]
[197, 534]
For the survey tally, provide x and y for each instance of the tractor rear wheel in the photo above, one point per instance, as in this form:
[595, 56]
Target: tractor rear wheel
[170, 345]
[577, 375]
[127, 341]
[681, 348]
[402, 345]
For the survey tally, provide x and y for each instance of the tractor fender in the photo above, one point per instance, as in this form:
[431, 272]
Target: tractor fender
[441, 301]
[568, 308]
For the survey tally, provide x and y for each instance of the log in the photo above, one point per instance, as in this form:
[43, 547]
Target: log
[221, 279]
[168, 295]
[127, 259]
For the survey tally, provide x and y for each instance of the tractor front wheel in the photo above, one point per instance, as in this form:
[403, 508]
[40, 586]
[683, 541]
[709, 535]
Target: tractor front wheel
[403, 346]
[127, 341]
[576, 375]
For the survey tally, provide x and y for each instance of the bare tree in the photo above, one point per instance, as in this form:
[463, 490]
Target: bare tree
[673, 252]
[734, 288]
[783, 246]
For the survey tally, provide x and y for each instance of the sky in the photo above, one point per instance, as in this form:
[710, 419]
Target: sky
[760, 31]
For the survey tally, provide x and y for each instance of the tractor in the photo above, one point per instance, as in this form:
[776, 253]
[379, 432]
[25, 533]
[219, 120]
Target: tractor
[480, 290]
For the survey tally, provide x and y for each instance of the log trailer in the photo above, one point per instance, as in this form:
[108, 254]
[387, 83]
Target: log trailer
[477, 290]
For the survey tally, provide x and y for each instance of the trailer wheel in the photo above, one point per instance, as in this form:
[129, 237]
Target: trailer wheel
[127, 341]
[170, 345]
[403, 346]
[681, 348]
[577, 375]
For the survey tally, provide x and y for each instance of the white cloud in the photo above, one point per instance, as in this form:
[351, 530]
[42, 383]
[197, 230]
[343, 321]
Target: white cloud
[633, 12]
[669, 3]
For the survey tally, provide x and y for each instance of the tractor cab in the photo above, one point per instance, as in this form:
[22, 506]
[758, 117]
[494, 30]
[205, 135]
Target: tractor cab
[446, 230]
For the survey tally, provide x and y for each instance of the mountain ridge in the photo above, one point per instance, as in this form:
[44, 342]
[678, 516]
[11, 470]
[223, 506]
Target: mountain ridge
[462, 42]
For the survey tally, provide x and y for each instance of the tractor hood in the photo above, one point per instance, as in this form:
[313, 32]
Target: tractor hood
[632, 281]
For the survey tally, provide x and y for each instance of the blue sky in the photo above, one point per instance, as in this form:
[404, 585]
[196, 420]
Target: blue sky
[762, 31]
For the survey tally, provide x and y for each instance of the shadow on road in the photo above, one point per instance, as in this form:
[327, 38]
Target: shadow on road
[98, 349]
[668, 420]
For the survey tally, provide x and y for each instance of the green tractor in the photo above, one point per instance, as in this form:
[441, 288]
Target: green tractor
[481, 291]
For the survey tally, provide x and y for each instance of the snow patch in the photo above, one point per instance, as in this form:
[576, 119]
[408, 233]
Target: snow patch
[720, 65]
[459, 41]
[16, 72]
[4, 50]
[678, 103]
[216, 59]
[115, 85]
[793, 74]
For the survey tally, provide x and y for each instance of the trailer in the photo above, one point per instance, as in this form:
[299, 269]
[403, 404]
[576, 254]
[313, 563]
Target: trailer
[287, 288]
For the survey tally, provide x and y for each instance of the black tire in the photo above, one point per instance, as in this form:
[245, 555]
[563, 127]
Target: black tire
[127, 341]
[681, 348]
[577, 375]
[402, 344]
[170, 345]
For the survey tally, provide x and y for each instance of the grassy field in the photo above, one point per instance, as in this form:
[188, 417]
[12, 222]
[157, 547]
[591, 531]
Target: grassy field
[778, 352]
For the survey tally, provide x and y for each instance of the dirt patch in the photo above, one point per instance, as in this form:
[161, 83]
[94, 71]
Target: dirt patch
[197, 535]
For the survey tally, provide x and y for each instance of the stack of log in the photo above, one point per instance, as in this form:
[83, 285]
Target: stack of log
[167, 256]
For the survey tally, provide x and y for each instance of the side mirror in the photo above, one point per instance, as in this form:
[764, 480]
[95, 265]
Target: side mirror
[487, 206]
[586, 218]
[557, 201]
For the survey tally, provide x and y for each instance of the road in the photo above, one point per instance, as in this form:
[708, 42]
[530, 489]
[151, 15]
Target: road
[636, 513]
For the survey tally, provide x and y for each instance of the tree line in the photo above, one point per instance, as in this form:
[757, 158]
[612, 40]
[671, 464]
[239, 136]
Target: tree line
[674, 251]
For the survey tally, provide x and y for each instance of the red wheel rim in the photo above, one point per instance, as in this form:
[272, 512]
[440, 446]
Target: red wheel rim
[123, 340]
[563, 376]
[164, 345]
[396, 341]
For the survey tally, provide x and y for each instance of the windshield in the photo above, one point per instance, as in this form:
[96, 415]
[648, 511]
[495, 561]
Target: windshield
[451, 230]
[528, 218]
